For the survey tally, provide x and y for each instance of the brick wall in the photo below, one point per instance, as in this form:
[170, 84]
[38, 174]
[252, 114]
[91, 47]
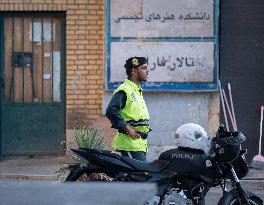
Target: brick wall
[85, 60]
[84, 53]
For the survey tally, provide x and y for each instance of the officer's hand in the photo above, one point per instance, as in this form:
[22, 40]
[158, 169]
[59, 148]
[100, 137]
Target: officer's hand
[131, 132]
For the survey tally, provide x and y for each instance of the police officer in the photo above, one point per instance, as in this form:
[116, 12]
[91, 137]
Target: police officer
[128, 112]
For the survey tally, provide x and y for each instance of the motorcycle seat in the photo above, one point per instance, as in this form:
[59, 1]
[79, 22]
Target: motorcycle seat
[155, 166]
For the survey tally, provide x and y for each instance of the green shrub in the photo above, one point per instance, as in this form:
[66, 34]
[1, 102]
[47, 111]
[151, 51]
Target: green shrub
[84, 138]
[88, 138]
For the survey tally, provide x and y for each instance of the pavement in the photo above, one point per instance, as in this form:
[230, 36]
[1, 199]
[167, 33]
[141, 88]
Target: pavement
[46, 168]
[34, 168]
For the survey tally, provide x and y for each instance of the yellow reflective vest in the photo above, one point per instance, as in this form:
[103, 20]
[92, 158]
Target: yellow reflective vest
[136, 114]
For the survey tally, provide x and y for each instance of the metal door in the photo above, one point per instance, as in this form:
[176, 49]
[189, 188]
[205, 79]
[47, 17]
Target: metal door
[32, 83]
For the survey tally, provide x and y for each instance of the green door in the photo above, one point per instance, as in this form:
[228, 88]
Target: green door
[32, 83]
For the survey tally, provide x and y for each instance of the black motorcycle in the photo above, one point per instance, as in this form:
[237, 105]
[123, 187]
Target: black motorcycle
[182, 175]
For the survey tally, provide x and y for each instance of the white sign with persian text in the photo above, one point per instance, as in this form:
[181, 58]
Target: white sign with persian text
[168, 61]
[161, 18]
[179, 38]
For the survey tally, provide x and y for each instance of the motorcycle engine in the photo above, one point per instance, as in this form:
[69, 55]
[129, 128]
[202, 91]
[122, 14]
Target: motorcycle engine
[175, 197]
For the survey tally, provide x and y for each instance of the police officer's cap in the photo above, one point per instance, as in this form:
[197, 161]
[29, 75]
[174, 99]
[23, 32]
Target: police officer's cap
[134, 62]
